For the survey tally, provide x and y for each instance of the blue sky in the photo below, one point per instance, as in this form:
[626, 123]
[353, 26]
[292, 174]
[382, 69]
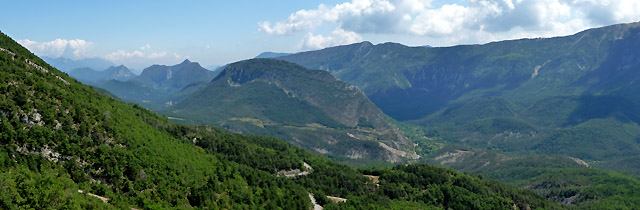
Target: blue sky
[140, 33]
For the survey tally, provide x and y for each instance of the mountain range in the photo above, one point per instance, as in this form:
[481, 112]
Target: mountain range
[574, 95]
[65, 145]
[158, 86]
[409, 83]
[528, 96]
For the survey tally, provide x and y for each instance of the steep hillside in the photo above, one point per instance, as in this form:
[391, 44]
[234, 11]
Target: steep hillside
[64, 145]
[309, 108]
[412, 82]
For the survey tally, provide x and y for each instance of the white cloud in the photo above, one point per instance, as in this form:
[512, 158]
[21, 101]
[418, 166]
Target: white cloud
[76, 48]
[122, 55]
[443, 21]
[139, 59]
[337, 37]
[358, 15]
[157, 55]
[472, 21]
[608, 12]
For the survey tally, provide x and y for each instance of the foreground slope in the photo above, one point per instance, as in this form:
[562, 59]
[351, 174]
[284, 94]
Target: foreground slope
[64, 145]
[59, 136]
[309, 108]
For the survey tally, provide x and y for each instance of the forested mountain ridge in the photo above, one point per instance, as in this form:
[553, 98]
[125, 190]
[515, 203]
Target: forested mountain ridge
[309, 108]
[61, 140]
[412, 82]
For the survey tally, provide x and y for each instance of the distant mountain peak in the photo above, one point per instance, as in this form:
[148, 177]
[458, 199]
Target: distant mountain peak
[365, 43]
[86, 74]
[173, 78]
[118, 67]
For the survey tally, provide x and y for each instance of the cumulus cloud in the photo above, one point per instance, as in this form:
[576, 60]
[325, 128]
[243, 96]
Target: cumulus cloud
[609, 12]
[337, 37]
[145, 47]
[358, 15]
[443, 21]
[472, 21]
[76, 48]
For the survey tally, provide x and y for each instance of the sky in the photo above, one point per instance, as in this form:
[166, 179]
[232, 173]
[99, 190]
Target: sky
[144, 32]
